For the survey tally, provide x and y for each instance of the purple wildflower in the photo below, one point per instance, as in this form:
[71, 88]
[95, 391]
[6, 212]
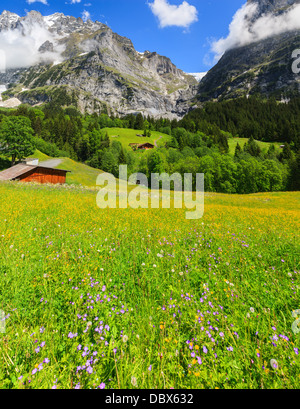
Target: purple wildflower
[89, 370]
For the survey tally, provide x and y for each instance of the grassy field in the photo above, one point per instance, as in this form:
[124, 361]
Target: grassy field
[145, 298]
[80, 174]
[264, 146]
[127, 136]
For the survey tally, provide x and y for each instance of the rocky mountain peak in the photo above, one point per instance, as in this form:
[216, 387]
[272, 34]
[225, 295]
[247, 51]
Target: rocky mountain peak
[56, 23]
[63, 25]
[8, 20]
[262, 65]
[92, 66]
[272, 6]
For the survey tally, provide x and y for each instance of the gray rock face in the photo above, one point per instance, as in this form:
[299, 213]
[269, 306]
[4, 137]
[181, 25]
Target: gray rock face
[11, 76]
[262, 68]
[8, 20]
[100, 67]
[123, 83]
[273, 6]
[46, 47]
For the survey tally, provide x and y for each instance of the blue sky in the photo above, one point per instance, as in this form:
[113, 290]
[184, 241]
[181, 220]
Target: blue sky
[183, 34]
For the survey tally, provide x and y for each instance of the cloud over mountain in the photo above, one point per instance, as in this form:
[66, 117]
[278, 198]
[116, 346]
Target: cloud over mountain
[21, 44]
[249, 26]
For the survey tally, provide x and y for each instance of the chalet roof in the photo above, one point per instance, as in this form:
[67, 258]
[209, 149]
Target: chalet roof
[21, 169]
[145, 144]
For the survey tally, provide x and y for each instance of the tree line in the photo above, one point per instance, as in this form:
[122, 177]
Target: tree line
[198, 143]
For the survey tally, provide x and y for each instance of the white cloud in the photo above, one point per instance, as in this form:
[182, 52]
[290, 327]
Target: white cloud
[198, 75]
[37, 1]
[85, 15]
[21, 45]
[170, 15]
[245, 29]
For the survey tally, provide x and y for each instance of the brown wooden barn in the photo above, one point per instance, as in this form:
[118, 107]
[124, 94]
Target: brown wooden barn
[141, 146]
[146, 146]
[34, 173]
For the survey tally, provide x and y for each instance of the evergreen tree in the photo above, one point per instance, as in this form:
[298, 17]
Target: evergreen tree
[139, 121]
[271, 154]
[105, 142]
[173, 143]
[109, 163]
[238, 151]
[286, 154]
[294, 182]
[37, 126]
[252, 147]
[122, 157]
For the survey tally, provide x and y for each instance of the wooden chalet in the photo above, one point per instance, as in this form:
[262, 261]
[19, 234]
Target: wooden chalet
[142, 146]
[146, 146]
[31, 171]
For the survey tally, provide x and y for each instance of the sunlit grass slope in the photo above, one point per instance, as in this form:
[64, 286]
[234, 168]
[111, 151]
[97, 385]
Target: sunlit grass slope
[144, 298]
[127, 136]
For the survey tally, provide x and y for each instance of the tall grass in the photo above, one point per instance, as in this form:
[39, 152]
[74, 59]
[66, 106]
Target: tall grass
[145, 298]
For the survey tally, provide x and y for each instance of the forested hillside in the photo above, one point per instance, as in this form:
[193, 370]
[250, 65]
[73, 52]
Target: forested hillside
[199, 143]
[267, 121]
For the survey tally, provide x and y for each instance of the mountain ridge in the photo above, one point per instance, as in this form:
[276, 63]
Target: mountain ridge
[101, 67]
[262, 67]
[86, 64]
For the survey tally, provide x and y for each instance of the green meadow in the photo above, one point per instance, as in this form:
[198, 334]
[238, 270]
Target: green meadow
[126, 136]
[264, 146]
[144, 298]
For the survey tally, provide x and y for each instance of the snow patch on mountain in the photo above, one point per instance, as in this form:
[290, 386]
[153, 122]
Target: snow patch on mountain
[2, 89]
[198, 75]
